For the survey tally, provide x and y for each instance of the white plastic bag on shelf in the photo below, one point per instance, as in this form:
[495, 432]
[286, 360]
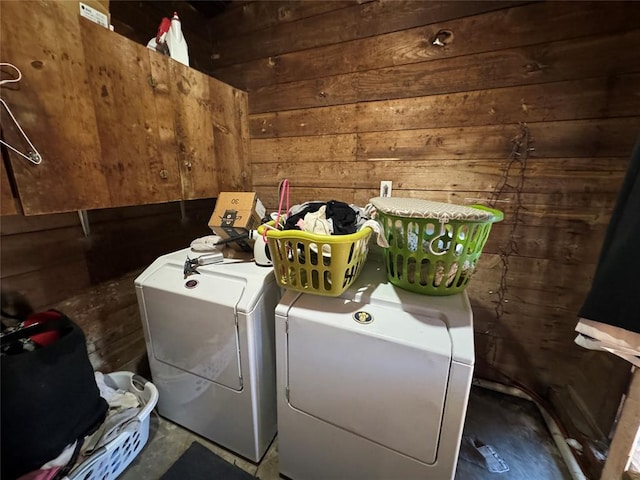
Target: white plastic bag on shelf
[159, 43]
[175, 40]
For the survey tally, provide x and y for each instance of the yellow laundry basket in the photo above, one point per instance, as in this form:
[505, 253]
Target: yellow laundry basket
[318, 264]
[433, 246]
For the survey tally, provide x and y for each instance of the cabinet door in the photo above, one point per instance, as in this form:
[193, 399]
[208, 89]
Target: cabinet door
[192, 109]
[52, 102]
[139, 155]
[231, 136]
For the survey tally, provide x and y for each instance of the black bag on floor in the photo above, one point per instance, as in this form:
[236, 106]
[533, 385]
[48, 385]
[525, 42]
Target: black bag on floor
[49, 395]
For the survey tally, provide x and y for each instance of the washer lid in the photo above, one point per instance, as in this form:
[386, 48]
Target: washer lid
[378, 372]
[192, 322]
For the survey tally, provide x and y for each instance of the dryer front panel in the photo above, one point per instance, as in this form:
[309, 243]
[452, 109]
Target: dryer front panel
[385, 380]
[192, 323]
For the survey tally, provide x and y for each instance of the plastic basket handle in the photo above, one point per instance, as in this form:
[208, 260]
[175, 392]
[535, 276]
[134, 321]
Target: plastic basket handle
[284, 191]
[139, 381]
[498, 216]
[443, 232]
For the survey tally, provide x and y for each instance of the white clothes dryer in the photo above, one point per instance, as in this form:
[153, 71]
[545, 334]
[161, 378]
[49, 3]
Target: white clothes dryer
[210, 344]
[373, 384]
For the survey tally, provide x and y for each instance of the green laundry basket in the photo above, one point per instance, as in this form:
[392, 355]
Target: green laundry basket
[433, 246]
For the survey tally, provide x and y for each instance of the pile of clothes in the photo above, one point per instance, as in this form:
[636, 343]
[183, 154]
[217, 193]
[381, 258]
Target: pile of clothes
[333, 218]
[326, 218]
[122, 416]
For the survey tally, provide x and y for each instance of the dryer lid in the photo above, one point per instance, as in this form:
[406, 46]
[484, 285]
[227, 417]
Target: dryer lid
[385, 380]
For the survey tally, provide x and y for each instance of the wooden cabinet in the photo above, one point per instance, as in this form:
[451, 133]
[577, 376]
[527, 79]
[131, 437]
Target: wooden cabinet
[116, 123]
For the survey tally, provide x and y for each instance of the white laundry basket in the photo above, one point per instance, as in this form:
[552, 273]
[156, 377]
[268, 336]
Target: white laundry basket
[110, 461]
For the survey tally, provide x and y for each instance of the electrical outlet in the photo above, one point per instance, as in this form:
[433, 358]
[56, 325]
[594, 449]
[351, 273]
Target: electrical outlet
[385, 188]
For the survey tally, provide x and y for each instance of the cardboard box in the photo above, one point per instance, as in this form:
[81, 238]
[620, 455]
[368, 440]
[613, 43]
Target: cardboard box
[235, 214]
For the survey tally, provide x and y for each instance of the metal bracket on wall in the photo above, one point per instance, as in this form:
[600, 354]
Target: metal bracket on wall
[84, 221]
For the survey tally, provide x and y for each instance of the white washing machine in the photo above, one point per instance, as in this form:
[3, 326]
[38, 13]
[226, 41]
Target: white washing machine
[373, 384]
[210, 343]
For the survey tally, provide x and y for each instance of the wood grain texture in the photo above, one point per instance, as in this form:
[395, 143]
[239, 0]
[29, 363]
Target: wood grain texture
[358, 21]
[19, 224]
[53, 104]
[586, 138]
[593, 409]
[543, 176]
[135, 241]
[304, 150]
[550, 62]
[548, 203]
[55, 247]
[52, 264]
[229, 116]
[109, 316]
[137, 170]
[50, 283]
[255, 16]
[118, 124]
[625, 440]
[7, 203]
[192, 107]
[601, 97]
[535, 23]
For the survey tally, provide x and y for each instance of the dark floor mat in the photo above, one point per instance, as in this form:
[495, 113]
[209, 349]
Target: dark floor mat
[200, 463]
[516, 432]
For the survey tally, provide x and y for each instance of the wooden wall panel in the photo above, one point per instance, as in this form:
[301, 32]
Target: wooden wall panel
[472, 175]
[137, 167]
[48, 260]
[613, 96]
[115, 123]
[377, 100]
[359, 21]
[109, 316]
[584, 138]
[133, 237]
[254, 16]
[536, 23]
[54, 85]
[21, 224]
[229, 115]
[192, 107]
[556, 61]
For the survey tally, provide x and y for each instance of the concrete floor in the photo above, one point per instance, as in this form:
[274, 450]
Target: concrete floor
[511, 425]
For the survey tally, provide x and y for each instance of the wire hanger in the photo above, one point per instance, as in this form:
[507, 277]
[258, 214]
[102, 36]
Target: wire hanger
[32, 155]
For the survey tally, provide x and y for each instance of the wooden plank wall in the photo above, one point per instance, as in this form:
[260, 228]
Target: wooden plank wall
[49, 260]
[343, 95]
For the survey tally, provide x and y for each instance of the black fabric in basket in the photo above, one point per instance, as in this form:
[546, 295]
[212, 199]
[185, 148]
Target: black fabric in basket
[200, 463]
[49, 395]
